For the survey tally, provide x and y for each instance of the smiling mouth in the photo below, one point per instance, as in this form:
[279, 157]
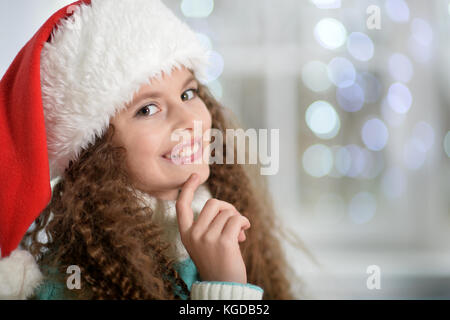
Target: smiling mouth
[185, 154]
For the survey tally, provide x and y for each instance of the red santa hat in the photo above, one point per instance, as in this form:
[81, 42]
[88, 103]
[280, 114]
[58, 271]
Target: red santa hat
[80, 68]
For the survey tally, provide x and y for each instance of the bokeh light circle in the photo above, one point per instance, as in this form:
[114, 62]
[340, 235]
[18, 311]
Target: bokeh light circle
[350, 99]
[322, 118]
[375, 134]
[318, 160]
[204, 40]
[330, 33]
[360, 46]
[420, 53]
[341, 72]
[327, 4]
[399, 98]
[397, 10]
[342, 160]
[315, 76]
[357, 162]
[216, 66]
[422, 31]
[197, 8]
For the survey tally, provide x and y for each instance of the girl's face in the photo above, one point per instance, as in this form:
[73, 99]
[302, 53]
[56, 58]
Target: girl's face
[145, 127]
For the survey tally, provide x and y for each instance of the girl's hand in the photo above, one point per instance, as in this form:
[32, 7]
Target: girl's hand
[213, 239]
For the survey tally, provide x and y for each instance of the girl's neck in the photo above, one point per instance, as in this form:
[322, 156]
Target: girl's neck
[165, 195]
[165, 214]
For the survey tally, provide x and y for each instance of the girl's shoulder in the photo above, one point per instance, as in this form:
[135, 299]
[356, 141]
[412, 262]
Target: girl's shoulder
[51, 288]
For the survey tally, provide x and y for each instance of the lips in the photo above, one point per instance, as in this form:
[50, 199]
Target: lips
[184, 152]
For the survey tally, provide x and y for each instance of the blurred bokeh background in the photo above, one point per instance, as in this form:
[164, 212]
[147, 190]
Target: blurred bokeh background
[359, 90]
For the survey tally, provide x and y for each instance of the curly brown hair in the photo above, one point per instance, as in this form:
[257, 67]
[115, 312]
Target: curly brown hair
[94, 220]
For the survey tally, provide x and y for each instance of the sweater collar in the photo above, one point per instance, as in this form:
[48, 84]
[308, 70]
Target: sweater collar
[165, 214]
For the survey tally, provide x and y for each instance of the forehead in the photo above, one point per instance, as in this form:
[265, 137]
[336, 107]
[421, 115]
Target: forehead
[157, 85]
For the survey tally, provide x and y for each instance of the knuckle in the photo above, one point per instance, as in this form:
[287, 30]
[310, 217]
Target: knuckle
[230, 206]
[212, 201]
[236, 212]
[245, 219]
[208, 238]
[225, 242]
[195, 235]
[236, 219]
[227, 213]
[226, 216]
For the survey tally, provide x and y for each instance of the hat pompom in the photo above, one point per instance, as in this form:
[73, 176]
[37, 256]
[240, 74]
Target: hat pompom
[19, 275]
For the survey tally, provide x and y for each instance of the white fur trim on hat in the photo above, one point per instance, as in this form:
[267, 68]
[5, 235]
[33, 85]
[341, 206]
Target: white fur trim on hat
[98, 58]
[19, 275]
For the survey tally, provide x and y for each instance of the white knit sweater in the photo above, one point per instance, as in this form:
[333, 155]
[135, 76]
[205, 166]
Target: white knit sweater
[20, 275]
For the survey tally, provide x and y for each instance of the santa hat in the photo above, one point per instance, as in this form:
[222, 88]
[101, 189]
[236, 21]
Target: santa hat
[81, 67]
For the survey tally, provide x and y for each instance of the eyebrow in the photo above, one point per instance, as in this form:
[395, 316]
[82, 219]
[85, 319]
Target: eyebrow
[157, 94]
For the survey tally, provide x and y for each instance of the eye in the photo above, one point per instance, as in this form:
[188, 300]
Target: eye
[193, 92]
[148, 110]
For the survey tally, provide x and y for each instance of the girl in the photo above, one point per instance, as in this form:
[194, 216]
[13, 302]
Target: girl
[132, 210]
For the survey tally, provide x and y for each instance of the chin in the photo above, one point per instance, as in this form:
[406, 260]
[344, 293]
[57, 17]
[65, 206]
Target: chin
[202, 171]
[204, 174]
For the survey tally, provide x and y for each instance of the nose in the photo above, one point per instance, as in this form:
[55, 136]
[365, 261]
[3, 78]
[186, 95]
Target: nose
[183, 118]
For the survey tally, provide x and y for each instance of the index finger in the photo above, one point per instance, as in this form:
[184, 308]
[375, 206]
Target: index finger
[185, 216]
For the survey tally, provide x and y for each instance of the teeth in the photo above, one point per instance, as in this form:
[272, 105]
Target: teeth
[186, 152]
[196, 147]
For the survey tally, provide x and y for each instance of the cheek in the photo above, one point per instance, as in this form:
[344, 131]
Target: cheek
[206, 118]
[142, 151]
